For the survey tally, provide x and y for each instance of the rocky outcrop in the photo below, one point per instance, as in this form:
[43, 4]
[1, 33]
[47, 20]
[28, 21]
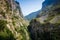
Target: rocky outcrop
[18, 8]
[12, 24]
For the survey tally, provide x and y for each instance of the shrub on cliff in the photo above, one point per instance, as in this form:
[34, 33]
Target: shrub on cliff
[5, 33]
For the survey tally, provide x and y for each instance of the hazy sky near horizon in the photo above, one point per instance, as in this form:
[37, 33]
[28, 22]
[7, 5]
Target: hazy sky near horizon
[29, 6]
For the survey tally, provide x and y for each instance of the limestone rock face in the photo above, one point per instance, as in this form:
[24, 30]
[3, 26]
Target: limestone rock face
[11, 16]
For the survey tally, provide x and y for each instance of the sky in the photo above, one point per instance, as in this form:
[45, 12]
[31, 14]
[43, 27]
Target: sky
[29, 6]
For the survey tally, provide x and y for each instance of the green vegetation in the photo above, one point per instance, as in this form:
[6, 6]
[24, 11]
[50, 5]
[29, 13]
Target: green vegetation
[23, 34]
[23, 31]
[5, 33]
[46, 31]
[7, 4]
[2, 13]
[2, 24]
[50, 17]
[11, 20]
[13, 23]
[15, 17]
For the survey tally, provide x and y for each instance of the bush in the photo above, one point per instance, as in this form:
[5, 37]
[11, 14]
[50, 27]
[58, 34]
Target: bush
[6, 34]
[2, 24]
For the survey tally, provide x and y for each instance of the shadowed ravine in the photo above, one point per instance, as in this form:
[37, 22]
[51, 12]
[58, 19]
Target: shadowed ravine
[45, 31]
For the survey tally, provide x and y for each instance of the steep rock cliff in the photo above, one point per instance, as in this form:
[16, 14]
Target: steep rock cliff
[12, 24]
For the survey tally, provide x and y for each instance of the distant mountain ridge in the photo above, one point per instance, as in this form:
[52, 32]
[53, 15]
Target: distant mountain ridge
[32, 15]
[50, 9]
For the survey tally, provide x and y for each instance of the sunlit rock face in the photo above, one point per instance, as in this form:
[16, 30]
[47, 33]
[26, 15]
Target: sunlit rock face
[12, 22]
[18, 9]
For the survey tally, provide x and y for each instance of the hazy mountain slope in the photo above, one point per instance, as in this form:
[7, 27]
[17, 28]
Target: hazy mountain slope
[50, 8]
[32, 15]
[47, 25]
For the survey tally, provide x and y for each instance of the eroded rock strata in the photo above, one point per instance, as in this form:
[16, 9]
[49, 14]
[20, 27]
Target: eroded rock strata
[12, 24]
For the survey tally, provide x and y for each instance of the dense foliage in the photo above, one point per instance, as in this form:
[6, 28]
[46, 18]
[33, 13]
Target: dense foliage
[46, 31]
[5, 33]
